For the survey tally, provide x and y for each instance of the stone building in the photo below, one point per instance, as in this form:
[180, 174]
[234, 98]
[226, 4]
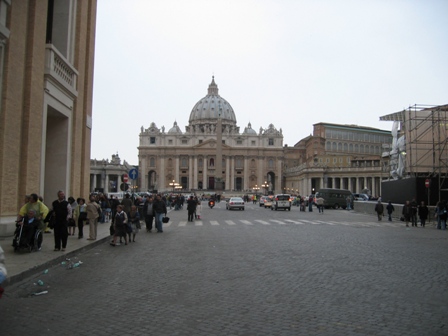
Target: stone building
[46, 78]
[248, 158]
[337, 156]
[105, 175]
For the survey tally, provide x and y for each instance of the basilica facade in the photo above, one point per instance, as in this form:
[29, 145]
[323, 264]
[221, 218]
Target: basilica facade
[187, 159]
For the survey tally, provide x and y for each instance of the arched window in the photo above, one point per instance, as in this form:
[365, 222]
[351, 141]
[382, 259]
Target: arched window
[350, 148]
[356, 148]
[183, 162]
[334, 147]
[200, 162]
[339, 147]
[361, 149]
[271, 163]
[152, 162]
[328, 145]
[377, 150]
[212, 162]
[345, 147]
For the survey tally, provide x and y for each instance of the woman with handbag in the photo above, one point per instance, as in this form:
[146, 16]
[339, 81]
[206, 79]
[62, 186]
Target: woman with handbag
[80, 216]
[121, 219]
[134, 218]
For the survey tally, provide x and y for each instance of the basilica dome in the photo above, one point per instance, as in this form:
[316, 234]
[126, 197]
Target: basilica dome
[208, 109]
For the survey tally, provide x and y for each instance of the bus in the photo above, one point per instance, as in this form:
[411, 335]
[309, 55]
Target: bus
[335, 198]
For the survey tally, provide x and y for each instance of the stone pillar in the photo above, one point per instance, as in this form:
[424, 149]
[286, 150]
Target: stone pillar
[94, 182]
[260, 175]
[176, 169]
[161, 183]
[232, 173]
[106, 183]
[227, 173]
[143, 176]
[246, 174]
[195, 172]
[190, 172]
[204, 174]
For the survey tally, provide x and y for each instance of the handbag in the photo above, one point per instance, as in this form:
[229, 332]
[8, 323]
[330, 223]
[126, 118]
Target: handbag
[128, 228]
[165, 219]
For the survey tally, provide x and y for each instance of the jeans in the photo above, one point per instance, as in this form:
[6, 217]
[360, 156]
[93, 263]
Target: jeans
[390, 216]
[310, 207]
[158, 216]
[414, 220]
[321, 208]
[443, 224]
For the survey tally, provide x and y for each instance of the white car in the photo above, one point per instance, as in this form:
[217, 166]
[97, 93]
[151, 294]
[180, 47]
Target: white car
[235, 203]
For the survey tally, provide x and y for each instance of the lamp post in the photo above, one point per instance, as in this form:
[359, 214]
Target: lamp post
[265, 185]
[174, 185]
[256, 188]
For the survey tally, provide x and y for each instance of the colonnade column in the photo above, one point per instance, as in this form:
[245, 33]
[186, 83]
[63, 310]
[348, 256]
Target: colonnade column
[106, 184]
[349, 187]
[278, 175]
[94, 182]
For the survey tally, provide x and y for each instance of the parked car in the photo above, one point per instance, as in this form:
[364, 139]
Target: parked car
[235, 203]
[361, 197]
[262, 199]
[281, 201]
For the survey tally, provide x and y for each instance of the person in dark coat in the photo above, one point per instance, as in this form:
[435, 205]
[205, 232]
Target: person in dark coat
[379, 209]
[62, 211]
[120, 222]
[159, 208]
[407, 212]
[191, 207]
[148, 212]
[390, 208]
[414, 207]
[423, 213]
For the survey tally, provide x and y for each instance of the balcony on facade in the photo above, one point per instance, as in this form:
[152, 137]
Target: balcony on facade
[60, 71]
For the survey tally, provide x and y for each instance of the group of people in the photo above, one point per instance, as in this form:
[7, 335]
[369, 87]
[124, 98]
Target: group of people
[412, 212]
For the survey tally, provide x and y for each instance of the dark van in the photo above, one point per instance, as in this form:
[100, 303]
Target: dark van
[335, 198]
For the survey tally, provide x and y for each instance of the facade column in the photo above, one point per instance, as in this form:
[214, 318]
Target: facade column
[106, 184]
[195, 172]
[260, 174]
[94, 182]
[176, 170]
[204, 174]
[143, 176]
[227, 173]
[190, 172]
[349, 187]
[246, 174]
[278, 177]
[232, 173]
[161, 184]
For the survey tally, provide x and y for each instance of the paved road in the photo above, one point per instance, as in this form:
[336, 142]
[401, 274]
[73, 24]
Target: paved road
[252, 272]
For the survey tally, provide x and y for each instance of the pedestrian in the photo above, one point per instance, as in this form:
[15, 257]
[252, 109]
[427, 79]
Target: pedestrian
[437, 214]
[159, 208]
[120, 222]
[379, 209]
[414, 212]
[39, 207]
[3, 272]
[62, 212]
[310, 203]
[127, 203]
[148, 212]
[134, 219]
[80, 216]
[406, 212]
[199, 209]
[191, 208]
[390, 208]
[71, 220]
[320, 204]
[348, 201]
[113, 202]
[423, 212]
[93, 210]
[443, 214]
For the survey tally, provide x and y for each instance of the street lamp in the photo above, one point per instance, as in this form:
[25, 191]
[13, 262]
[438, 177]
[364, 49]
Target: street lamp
[174, 185]
[265, 185]
[256, 188]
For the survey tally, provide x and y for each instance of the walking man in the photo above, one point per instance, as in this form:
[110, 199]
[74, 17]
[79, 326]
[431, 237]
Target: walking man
[191, 207]
[379, 209]
[92, 216]
[62, 211]
[390, 208]
[159, 208]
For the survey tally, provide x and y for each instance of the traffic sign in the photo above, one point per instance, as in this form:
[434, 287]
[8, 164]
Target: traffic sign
[427, 183]
[125, 178]
[133, 174]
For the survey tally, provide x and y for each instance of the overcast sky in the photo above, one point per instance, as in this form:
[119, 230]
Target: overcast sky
[292, 63]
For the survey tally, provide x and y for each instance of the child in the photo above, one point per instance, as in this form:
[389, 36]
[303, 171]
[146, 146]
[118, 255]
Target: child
[199, 210]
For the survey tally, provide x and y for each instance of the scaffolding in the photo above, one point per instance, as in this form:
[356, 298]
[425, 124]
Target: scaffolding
[425, 128]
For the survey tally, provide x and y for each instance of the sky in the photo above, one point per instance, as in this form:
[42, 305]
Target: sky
[292, 63]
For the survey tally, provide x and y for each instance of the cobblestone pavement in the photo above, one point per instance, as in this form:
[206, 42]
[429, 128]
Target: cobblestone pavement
[250, 272]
